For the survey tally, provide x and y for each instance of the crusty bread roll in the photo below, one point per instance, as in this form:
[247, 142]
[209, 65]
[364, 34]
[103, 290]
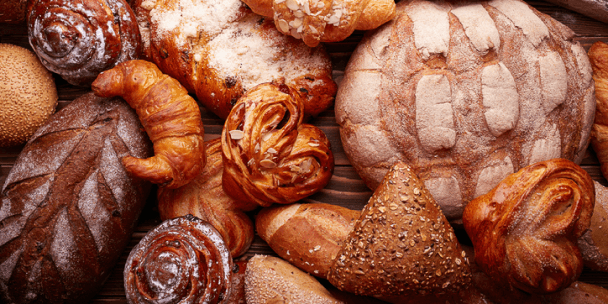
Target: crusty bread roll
[324, 20]
[525, 230]
[220, 49]
[272, 280]
[308, 236]
[466, 92]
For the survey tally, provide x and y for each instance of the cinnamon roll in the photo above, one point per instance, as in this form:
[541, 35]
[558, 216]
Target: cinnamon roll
[270, 156]
[182, 260]
[77, 39]
[525, 230]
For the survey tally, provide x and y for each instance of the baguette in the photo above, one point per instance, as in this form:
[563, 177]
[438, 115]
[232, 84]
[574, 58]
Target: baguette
[308, 236]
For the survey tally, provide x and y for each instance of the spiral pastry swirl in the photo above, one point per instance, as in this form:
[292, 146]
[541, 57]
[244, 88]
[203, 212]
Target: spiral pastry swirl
[183, 260]
[78, 39]
[525, 230]
[205, 198]
[270, 156]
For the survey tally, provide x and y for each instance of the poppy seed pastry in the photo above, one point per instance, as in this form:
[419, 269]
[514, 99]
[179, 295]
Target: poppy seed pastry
[466, 93]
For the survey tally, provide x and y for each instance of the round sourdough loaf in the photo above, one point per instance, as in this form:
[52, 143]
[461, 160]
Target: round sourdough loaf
[466, 94]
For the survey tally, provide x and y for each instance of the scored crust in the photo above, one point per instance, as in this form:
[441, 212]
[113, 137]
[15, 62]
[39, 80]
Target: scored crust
[466, 94]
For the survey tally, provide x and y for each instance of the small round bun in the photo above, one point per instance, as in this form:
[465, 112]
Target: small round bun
[28, 95]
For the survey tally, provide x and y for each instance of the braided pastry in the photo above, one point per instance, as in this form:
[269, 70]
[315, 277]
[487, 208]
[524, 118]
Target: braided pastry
[598, 56]
[77, 39]
[316, 21]
[170, 116]
[220, 49]
[205, 198]
[270, 156]
[525, 230]
[183, 260]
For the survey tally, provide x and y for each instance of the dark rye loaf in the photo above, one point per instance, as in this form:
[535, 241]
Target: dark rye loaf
[68, 207]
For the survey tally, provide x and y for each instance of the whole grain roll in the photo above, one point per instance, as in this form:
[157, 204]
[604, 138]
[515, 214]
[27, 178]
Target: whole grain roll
[466, 93]
[68, 206]
[27, 94]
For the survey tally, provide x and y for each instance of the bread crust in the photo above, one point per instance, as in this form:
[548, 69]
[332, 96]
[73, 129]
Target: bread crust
[309, 236]
[68, 205]
[461, 93]
[230, 52]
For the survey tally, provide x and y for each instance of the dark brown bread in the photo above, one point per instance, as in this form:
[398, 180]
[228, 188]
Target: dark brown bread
[68, 207]
[12, 11]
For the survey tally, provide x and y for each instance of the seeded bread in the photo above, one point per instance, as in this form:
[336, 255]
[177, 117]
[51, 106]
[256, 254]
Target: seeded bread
[466, 92]
[401, 245]
[68, 206]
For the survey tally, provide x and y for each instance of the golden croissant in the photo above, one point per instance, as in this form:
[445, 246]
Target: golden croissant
[171, 117]
[525, 230]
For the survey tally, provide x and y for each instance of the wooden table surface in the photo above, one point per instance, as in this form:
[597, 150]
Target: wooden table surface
[345, 188]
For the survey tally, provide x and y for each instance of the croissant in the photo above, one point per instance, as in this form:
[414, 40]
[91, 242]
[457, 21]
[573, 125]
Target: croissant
[183, 260]
[78, 39]
[270, 156]
[316, 21]
[220, 49]
[525, 230]
[170, 116]
[598, 56]
[205, 198]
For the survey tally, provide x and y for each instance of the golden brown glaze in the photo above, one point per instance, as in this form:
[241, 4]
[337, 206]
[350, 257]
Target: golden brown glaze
[270, 156]
[170, 116]
[525, 230]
